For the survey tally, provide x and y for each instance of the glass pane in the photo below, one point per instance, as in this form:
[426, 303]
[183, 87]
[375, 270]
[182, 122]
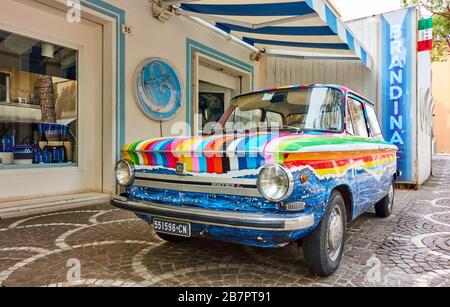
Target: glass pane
[315, 108]
[274, 120]
[349, 122]
[38, 102]
[211, 107]
[373, 122]
[359, 120]
[244, 120]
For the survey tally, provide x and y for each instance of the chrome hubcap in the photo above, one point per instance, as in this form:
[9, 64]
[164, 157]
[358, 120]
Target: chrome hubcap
[335, 233]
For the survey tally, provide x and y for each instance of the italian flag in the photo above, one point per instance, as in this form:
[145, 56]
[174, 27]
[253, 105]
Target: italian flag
[425, 34]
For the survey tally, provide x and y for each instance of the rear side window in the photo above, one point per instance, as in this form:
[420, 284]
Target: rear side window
[374, 125]
[359, 120]
[348, 121]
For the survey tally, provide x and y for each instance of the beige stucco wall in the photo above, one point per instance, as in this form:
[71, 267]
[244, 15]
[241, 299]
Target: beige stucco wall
[46, 20]
[152, 38]
[281, 70]
[441, 96]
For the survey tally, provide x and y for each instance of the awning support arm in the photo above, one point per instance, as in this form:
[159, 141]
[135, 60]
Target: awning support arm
[176, 2]
[226, 35]
[284, 20]
[215, 18]
[181, 12]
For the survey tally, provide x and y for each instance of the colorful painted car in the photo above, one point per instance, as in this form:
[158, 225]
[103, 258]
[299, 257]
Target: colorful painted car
[291, 164]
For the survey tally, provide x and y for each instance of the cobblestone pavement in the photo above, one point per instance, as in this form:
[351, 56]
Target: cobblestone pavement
[112, 247]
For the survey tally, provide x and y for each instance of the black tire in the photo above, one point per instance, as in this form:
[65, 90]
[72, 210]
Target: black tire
[316, 244]
[385, 206]
[172, 238]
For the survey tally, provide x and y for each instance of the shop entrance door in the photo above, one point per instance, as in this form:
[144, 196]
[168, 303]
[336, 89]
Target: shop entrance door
[40, 47]
[218, 83]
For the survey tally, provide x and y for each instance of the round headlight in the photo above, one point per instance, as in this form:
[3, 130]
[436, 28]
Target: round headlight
[125, 173]
[275, 183]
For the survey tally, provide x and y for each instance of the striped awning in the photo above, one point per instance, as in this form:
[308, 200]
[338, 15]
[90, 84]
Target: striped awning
[310, 26]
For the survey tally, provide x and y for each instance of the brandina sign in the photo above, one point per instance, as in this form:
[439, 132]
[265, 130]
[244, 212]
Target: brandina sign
[397, 73]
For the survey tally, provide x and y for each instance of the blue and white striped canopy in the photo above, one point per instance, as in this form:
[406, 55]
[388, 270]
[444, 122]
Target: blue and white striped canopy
[308, 26]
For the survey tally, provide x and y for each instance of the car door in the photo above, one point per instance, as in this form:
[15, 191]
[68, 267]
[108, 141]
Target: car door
[375, 133]
[357, 127]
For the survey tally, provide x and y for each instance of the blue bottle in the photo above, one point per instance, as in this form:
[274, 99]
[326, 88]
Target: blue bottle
[4, 144]
[4, 141]
[12, 140]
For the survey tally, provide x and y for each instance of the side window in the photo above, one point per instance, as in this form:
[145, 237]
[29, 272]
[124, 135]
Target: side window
[358, 118]
[348, 121]
[373, 122]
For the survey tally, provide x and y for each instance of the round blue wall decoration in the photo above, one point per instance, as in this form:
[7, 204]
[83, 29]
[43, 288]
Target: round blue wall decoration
[158, 88]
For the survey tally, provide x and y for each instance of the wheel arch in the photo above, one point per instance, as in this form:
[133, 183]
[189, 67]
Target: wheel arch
[347, 194]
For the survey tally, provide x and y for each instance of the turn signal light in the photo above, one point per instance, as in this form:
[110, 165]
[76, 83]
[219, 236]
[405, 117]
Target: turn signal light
[295, 206]
[303, 178]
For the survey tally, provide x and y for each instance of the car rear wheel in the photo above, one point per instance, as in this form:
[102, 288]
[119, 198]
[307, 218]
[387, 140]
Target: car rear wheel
[172, 238]
[385, 206]
[324, 247]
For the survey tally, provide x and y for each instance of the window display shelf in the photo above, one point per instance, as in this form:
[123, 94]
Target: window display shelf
[37, 166]
[20, 105]
[11, 111]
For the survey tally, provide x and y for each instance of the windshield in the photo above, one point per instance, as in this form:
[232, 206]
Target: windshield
[305, 109]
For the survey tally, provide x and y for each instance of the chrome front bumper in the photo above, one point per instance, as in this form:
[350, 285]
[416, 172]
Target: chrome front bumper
[254, 221]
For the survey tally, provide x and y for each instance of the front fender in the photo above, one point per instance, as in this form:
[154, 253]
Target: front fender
[316, 191]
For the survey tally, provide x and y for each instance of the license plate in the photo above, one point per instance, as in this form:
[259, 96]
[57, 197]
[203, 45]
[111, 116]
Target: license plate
[180, 169]
[172, 228]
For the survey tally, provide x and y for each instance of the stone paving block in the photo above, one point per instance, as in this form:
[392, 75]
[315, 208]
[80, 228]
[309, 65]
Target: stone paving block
[115, 249]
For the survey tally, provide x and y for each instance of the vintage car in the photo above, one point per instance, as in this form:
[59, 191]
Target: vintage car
[292, 164]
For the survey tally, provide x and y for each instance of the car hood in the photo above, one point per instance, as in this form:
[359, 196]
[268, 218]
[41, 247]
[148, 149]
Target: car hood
[222, 153]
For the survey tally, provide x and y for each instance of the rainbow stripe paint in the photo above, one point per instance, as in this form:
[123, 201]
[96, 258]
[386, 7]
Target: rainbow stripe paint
[327, 154]
[320, 163]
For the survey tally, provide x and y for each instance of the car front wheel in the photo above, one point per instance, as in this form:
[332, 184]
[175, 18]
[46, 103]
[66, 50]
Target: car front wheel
[323, 248]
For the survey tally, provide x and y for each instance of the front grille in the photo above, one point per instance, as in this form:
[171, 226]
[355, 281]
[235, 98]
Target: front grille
[199, 184]
[220, 202]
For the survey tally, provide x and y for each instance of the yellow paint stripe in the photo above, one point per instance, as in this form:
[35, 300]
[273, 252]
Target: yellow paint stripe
[379, 162]
[335, 155]
[186, 145]
[342, 169]
[188, 161]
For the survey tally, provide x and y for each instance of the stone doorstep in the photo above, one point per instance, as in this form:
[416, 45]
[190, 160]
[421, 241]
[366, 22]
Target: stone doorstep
[24, 207]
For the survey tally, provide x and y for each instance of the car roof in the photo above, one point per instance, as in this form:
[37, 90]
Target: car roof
[299, 86]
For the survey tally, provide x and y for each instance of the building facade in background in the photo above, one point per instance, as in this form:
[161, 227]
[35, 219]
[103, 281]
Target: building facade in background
[441, 97]
[91, 51]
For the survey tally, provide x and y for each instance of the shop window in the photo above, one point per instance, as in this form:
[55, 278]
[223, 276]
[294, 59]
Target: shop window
[38, 103]
[359, 121]
[5, 79]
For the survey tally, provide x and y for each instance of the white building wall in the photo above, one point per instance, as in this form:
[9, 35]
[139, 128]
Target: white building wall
[425, 107]
[152, 38]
